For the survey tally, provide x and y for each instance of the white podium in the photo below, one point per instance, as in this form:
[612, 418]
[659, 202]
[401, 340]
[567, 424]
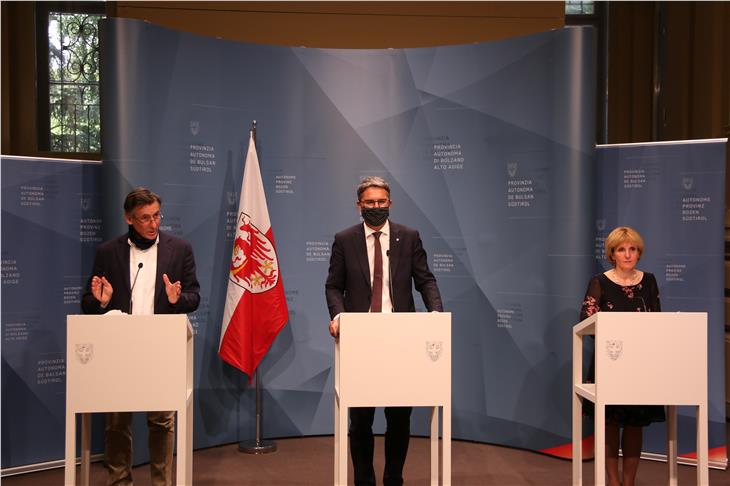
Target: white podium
[643, 358]
[123, 363]
[399, 359]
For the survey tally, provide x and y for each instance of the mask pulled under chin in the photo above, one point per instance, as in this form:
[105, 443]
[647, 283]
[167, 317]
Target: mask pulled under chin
[139, 241]
[375, 216]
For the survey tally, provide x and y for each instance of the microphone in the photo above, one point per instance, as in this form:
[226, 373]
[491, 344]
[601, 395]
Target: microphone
[390, 282]
[139, 267]
[643, 303]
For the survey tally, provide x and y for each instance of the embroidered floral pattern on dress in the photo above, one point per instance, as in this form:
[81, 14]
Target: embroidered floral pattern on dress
[629, 290]
[590, 306]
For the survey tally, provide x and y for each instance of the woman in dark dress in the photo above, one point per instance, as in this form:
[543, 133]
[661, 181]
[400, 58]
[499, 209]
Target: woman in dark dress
[624, 288]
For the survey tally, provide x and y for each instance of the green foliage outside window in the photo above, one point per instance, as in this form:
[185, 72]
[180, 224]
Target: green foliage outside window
[573, 7]
[73, 82]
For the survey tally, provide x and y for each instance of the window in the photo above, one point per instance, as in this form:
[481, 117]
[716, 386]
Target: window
[573, 7]
[68, 75]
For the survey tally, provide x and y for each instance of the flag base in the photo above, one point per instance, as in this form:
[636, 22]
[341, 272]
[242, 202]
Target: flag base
[257, 446]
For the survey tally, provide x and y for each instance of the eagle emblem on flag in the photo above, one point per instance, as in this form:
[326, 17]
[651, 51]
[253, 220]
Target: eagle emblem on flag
[254, 265]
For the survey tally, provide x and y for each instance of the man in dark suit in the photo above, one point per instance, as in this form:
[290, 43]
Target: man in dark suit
[372, 269]
[142, 272]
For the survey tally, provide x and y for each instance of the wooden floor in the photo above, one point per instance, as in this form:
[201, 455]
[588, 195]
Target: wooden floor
[309, 461]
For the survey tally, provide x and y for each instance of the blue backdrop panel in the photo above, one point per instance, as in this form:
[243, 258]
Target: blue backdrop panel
[489, 149]
[51, 225]
[673, 193]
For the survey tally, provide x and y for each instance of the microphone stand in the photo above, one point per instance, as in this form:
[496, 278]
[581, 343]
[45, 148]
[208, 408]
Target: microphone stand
[257, 445]
[131, 290]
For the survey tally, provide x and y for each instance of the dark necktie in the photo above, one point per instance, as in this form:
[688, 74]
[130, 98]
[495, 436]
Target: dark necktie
[376, 304]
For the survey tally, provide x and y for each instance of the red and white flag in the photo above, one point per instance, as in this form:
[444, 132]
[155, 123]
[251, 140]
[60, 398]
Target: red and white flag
[256, 307]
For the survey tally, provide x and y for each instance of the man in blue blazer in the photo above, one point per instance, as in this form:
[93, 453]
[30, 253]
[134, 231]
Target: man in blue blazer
[373, 268]
[142, 272]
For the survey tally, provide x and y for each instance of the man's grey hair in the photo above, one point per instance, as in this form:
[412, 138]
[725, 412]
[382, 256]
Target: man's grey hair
[140, 196]
[372, 181]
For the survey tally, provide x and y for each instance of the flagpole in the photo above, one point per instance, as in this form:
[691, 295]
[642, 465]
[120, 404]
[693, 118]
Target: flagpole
[257, 445]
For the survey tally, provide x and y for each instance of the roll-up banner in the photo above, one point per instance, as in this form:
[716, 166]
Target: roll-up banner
[51, 224]
[673, 194]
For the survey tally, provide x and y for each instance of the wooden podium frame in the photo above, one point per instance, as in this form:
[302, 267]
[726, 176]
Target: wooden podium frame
[642, 358]
[127, 363]
[398, 359]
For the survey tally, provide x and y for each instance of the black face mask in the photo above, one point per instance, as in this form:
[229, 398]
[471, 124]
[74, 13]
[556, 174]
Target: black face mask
[374, 217]
[139, 241]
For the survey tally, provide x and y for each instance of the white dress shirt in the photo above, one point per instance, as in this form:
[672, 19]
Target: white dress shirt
[385, 247]
[143, 293]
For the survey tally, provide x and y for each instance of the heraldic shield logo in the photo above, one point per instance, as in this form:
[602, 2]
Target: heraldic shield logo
[84, 352]
[614, 348]
[433, 349]
[254, 266]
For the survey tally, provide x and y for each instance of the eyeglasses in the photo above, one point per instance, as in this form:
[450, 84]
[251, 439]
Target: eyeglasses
[375, 203]
[147, 219]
